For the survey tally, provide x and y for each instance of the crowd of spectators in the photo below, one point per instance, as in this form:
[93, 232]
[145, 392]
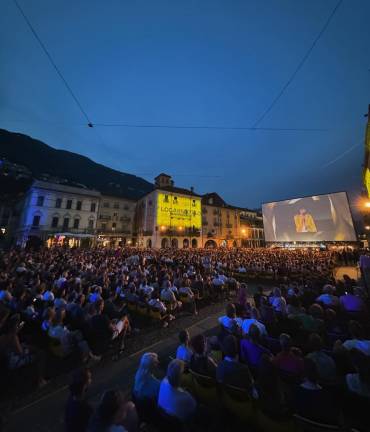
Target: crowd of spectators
[74, 302]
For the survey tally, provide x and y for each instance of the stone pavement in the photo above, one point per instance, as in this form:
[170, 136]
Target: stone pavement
[45, 414]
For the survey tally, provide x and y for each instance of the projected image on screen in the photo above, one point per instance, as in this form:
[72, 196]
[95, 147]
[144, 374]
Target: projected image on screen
[316, 218]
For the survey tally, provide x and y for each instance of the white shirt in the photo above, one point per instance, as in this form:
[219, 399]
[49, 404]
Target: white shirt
[248, 322]
[229, 323]
[48, 296]
[146, 289]
[156, 303]
[176, 401]
[361, 345]
[184, 353]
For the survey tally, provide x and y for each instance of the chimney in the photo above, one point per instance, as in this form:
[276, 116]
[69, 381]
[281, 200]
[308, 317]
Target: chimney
[172, 183]
[192, 189]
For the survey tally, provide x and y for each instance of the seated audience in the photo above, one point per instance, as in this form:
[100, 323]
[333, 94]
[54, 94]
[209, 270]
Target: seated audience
[312, 401]
[254, 319]
[78, 410]
[289, 360]
[200, 362]
[146, 385]
[172, 399]
[325, 365]
[230, 371]
[184, 351]
[251, 349]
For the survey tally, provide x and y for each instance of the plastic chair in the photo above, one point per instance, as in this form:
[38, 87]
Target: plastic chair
[308, 425]
[205, 389]
[239, 403]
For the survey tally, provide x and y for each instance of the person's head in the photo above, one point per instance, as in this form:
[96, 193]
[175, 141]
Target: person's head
[231, 310]
[302, 211]
[356, 330]
[315, 342]
[330, 315]
[184, 337]
[111, 409]
[316, 311]
[99, 305]
[254, 333]
[328, 289]
[198, 343]
[81, 380]
[277, 292]
[285, 342]
[310, 371]
[230, 346]
[174, 372]
[149, 361]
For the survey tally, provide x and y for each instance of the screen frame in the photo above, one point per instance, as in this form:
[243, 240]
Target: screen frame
[319, 241]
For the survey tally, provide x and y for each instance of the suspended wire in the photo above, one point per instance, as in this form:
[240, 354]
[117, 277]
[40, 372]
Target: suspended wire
[300, 65]
[169, 126]
[89, 123]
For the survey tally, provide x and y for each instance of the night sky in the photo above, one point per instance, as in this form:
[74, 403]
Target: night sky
[196, 63]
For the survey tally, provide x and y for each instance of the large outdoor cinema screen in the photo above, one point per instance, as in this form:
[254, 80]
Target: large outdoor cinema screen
[309, 219]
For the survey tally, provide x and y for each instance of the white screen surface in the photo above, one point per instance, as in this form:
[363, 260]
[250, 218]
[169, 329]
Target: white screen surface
[309, 219]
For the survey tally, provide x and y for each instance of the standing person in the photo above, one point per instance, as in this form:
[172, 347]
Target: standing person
[78, 410]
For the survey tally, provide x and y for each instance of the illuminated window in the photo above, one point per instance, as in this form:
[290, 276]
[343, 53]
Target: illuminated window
[116, 205]
[40, 200]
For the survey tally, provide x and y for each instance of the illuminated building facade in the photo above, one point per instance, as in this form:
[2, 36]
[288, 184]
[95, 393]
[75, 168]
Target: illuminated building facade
[169, 216]
[224, 225]
[57, 213]
[366, 168]
[114, 226]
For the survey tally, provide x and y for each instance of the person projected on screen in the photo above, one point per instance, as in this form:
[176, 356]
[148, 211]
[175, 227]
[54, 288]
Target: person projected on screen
[304, 222]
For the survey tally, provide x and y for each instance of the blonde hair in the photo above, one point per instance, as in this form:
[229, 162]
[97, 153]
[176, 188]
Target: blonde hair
[147, 363]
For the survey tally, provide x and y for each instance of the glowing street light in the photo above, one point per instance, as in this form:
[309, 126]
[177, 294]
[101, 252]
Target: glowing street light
[367, 227]
[163, 228]
[367, 204]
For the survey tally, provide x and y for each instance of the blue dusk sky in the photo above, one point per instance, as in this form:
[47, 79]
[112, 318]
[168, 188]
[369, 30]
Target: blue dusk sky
[196, 63]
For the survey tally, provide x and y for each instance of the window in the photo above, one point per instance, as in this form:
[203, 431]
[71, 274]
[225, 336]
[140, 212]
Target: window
[58, 203]
[54, 222]
[36, 221]
[40, 200]
[91, 223]
[116, 205]
[106, 204]
[69, 204]
[79, 205]
[115, 214]
[76, 223]
[114, 225]
[93, 207]
[126, 207]
[103, 226]
[65, 223]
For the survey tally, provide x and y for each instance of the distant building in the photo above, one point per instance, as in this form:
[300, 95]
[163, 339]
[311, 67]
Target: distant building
[225, 225]
[114, 225]
[58, 213]
[168, 216]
